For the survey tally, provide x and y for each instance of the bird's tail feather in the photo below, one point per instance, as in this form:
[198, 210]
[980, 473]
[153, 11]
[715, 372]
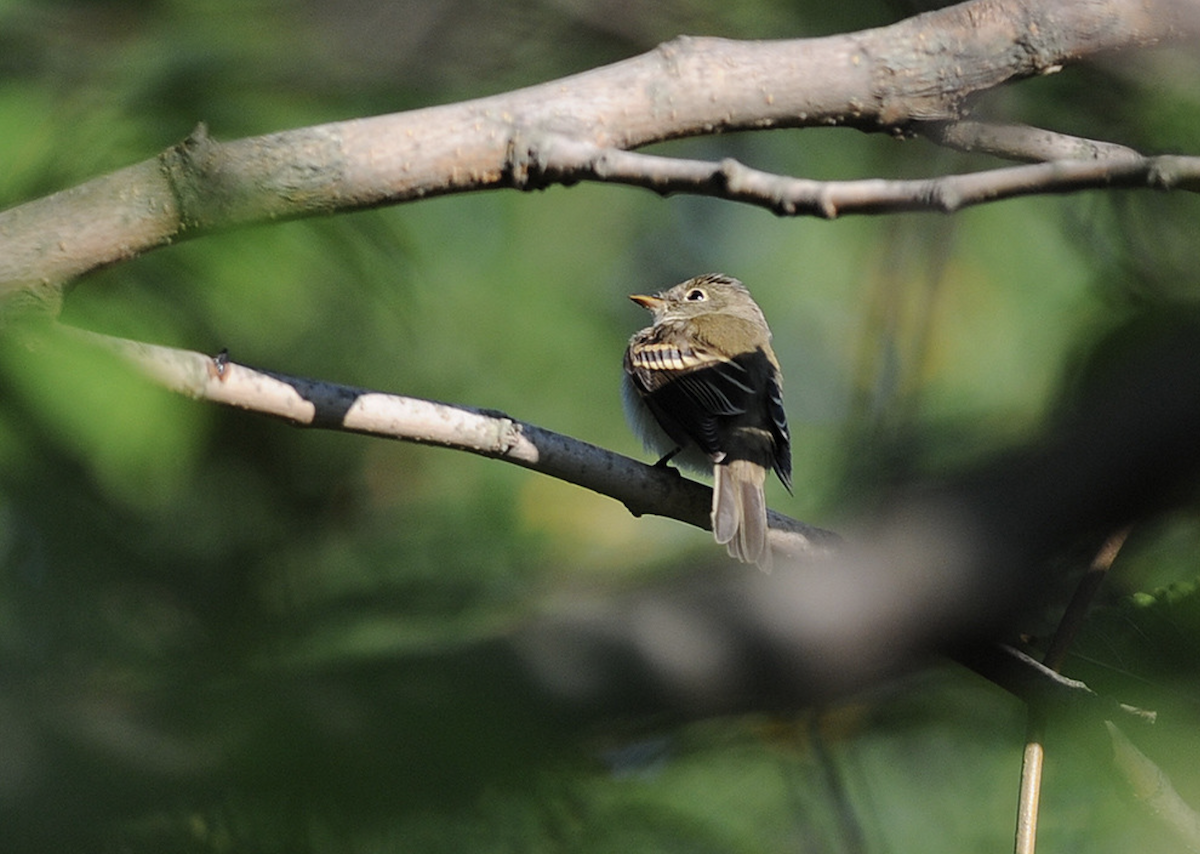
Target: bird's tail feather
[739, 511]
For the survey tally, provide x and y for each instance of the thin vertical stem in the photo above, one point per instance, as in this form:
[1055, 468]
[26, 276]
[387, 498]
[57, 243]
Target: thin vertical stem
[1033, 759]
[1032, 762]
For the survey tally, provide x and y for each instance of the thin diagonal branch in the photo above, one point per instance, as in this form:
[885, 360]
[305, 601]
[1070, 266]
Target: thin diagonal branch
[644, 489]
[938, 567]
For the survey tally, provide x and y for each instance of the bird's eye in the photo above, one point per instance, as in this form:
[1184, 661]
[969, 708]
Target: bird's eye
[696, 295]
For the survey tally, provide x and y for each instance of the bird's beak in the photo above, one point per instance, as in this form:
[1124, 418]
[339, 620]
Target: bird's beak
[650, 303]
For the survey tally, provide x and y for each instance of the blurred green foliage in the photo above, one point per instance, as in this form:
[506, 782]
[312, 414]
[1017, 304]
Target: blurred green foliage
[145, 538]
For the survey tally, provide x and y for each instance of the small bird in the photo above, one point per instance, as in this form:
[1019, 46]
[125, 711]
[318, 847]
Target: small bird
[703, 383]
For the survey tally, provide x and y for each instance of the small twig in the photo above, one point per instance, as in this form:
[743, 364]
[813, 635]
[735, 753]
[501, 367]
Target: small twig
[312, 403]
[1037, 685]
[1020, 142]
[1033, 758]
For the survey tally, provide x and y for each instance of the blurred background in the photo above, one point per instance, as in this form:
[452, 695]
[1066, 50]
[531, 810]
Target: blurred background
[152, 544]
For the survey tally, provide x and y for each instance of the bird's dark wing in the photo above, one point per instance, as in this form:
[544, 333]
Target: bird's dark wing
[688, 388]
[779, 431]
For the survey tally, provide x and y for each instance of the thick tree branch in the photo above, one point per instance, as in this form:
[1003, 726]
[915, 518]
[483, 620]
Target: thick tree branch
[311, 403]
[918, 70]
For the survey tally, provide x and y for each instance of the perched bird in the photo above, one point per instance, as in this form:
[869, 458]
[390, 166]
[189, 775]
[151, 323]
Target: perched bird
[703, 383]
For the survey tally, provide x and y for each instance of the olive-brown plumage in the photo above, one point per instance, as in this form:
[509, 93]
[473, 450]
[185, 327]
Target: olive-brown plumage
[702, 385]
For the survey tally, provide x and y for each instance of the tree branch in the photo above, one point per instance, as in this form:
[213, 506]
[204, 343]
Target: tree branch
[303, 402]
[918, 70]
[567, 161]
[940, 566]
